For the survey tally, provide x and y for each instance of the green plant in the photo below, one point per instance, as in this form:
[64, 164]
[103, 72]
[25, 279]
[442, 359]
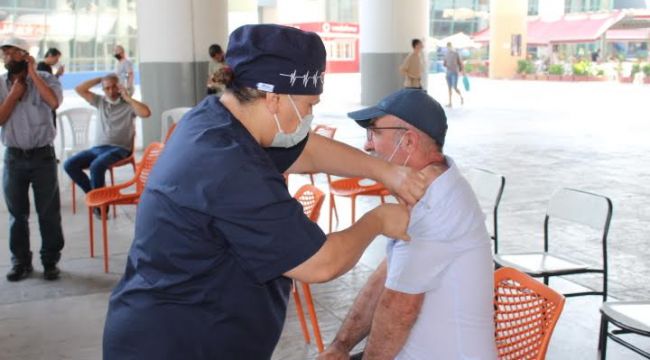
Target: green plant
[469, 67]
[600, 72]
[646, 69]
[482, 68]
[556, 69]
[636, 68]
[582, 68]
[525, 67]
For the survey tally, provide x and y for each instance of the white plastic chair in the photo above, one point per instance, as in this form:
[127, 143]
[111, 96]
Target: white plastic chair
[578, 207]
[630, 317]
[488, 187]
[78, 120]
[169, 117]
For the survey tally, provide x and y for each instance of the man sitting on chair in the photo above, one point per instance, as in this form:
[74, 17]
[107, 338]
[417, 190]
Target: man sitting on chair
[114, 132]
[432, 297]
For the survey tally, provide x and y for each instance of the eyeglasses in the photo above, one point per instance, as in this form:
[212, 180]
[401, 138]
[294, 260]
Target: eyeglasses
[371, 129]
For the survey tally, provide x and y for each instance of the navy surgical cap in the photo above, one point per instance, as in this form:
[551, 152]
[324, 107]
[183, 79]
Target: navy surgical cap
[278, 59]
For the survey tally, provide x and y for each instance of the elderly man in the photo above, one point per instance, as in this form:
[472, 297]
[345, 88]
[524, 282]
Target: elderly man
[27, 99]
[114, 131]
[432, 297]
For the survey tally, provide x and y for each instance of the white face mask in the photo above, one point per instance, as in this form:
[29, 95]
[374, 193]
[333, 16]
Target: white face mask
[285, 140]
[397, 148]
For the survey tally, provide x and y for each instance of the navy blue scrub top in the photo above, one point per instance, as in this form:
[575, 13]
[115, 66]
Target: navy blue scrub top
[215, 230]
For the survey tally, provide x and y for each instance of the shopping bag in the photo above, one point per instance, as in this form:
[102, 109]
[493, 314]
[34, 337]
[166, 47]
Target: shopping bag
[466, 82]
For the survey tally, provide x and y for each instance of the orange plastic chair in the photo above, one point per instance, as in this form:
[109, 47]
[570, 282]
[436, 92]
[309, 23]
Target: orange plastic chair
[525, 314]
[112, 195]
[128, 160]
[353, 187]
[311, 199]
[171, 129]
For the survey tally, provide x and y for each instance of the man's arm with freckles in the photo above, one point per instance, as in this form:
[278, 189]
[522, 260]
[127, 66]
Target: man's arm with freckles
[394, 317]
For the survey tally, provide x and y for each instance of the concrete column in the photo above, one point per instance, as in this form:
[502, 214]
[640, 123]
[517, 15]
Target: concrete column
[507, 24]
[386, 28]
[173, 40]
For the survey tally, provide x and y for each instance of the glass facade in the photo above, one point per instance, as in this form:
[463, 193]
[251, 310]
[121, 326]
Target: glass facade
[85, 31]
[344, 11]
[449, 17]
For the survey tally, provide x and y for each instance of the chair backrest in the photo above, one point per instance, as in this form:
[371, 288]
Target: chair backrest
[149, 158]
[325, 130]
[311, 199]
[169, 117]
[525, 314]
[79, 122]
[488, 187]
[581, 207]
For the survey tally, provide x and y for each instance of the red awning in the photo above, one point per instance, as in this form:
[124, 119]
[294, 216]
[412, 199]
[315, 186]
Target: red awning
[571, 28]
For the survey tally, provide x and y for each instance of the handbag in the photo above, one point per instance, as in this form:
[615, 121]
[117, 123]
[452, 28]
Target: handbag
[466, 82]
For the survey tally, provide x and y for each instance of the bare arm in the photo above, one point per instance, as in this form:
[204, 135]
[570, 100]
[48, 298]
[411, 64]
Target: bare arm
[356, 325]
[394, 317]
[342, 249]
[83, 89]
[9, 104]
[140, 109]
[322, 154]
[47, 94]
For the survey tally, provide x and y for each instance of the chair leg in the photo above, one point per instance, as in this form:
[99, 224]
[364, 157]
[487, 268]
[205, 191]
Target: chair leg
[92, 231]
[74, 198]
[354, 208]
[104, 212]
[300, 312]
[311, 179]
[113, 184]
[312, 315]
[602, 338]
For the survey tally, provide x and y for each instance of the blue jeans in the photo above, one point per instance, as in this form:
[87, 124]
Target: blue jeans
[38, 168]
[97, 159]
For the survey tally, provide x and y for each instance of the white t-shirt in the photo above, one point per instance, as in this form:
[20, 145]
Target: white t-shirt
[449, 259]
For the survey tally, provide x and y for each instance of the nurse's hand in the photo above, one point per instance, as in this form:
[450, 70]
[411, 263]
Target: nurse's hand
[406, 183]
[394, 219]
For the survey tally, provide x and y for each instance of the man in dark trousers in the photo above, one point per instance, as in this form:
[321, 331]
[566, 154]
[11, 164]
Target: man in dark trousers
[27, 99]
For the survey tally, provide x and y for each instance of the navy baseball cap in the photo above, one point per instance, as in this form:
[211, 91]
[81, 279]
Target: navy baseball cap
[278, 59]
[411, 105]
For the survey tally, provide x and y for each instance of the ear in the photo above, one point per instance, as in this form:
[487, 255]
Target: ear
[411, 140]
[272, 102]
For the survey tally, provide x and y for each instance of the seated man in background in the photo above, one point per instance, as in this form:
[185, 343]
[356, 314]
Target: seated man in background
[114, 132]
[432, 297]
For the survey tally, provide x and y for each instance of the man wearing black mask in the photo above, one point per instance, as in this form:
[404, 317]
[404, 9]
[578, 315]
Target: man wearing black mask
[27, 99]
[124, 69]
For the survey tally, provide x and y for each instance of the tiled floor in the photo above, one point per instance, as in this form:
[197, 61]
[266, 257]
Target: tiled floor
[541, 136]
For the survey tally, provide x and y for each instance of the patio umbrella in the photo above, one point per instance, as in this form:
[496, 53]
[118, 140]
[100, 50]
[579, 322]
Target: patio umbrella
[460, 41]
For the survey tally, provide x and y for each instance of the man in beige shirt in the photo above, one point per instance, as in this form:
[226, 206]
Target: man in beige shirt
[412, 66]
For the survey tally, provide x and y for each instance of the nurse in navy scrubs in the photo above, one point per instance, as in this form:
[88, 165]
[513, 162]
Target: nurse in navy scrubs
[218, 237]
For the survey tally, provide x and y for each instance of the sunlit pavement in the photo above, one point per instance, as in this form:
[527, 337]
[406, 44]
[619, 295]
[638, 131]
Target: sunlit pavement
[540, 135]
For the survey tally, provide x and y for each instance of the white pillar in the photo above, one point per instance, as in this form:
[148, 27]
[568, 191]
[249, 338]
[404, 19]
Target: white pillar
[173, 39]
[386, 29]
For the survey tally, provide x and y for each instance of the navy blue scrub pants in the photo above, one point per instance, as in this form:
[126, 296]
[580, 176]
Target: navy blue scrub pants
[36, 167]
[97, 159]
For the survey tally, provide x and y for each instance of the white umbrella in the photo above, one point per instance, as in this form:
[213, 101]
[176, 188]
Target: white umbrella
[459, 41]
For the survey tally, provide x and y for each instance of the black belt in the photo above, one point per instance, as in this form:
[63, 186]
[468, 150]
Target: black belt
[28, 153]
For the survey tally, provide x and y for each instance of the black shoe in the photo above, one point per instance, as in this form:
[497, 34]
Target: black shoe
[19, 272]
[51, 272]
